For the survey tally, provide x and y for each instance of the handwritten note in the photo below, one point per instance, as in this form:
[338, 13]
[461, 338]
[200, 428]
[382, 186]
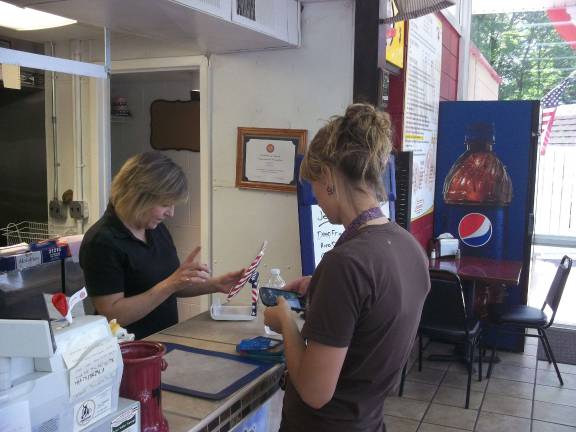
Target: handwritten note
[324, 234]
[96, 368]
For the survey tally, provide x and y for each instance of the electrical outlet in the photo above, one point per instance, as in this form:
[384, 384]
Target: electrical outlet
[57, 209]
[79, 210]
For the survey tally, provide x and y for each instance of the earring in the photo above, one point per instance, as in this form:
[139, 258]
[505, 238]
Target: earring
[330, 189]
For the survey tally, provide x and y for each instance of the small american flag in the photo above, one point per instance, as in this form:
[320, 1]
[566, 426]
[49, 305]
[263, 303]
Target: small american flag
[549, 105]
[248, 272]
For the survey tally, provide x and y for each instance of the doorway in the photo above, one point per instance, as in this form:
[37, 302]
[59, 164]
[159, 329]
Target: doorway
[131, 96]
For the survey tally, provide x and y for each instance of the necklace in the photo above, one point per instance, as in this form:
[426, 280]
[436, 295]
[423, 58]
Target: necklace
[361, 219]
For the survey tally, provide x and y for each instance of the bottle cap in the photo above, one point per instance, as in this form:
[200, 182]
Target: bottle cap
[275, 271]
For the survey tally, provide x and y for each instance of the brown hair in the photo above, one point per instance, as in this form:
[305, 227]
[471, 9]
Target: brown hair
[145, 181]
[357, 144]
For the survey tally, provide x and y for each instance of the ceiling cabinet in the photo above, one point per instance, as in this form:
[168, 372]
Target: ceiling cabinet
[205, 26]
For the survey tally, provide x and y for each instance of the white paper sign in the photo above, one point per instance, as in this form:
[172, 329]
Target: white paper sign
[421, 104]
[92, 409]
[15, 417]
[125, 422]
[29, 259]
[96, 368]
[324, 234]
[270, 161]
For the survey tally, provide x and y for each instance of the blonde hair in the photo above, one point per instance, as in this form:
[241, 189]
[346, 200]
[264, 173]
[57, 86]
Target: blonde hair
[356, 144]
[145, 181]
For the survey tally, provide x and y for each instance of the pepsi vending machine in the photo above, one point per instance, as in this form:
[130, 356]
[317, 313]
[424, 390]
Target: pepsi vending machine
[485, 181]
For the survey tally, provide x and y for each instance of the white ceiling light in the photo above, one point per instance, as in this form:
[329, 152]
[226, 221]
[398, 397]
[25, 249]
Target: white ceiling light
[17, 18]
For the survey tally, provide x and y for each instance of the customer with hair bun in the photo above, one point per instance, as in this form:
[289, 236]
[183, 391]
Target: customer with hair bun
[366, 295]
[130, 263]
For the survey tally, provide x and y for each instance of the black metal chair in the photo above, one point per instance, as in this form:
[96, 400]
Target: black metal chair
[521, 317]
[444, 319]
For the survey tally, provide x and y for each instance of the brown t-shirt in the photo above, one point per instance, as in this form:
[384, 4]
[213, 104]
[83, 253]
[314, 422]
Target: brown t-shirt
[366, 294]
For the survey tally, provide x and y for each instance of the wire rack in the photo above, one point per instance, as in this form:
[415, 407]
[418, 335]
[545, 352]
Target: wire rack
[30, 232]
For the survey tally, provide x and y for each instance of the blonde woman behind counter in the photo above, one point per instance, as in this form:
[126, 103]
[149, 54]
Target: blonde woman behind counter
[129, 260]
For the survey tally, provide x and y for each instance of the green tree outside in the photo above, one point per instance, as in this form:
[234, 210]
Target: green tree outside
[527, 52]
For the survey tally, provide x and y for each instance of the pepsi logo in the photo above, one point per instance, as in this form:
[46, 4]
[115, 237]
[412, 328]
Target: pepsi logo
[475, 229]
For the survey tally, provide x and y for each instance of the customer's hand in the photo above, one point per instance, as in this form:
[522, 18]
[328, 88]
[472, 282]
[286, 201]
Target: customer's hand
[189, 273]
[299, 285]
[224, 283]
[276, 316]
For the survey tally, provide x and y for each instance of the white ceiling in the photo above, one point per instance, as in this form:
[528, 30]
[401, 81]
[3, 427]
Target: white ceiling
[508, 6]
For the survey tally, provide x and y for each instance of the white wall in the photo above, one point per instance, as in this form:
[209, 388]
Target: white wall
[297, 88]
[483, 83]
[77, 162]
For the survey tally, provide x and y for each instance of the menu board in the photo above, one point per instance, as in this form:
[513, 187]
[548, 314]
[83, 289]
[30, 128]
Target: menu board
[421, 102]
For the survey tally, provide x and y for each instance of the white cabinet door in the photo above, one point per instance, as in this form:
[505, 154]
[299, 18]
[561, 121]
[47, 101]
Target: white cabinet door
[265, 16]
[220, 8]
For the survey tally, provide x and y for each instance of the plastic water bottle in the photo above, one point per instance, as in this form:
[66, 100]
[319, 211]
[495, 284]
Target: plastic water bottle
[275, 280]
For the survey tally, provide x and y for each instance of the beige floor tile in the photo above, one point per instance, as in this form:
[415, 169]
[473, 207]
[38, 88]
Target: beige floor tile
[439, 365]
[550, 378]
[511, 388]
[427, 427]
[405, 408]
[439, 348]
[515, 359]
[462, 368]
[457, 397]
[491, 422]
[460, 380]
[507, 405]
[444, 415]
[567, 368]
[531, 349]
[419, 391]
[428, 376]
[553, 413]
[539, 426]
[397, 424]
[514, 373]
[557, 395]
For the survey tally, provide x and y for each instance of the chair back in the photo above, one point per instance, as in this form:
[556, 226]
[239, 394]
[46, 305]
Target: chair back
[557, 287]
[445, 306]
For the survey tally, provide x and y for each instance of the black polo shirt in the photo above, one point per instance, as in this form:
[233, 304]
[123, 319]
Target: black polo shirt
[115, 261]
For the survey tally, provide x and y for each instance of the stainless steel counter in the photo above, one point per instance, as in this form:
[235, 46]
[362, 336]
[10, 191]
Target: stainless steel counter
[190, 414]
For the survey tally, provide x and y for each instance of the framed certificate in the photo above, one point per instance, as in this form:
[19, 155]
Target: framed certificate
[266, 158]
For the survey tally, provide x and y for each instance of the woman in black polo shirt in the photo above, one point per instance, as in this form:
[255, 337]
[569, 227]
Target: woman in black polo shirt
[130, 263]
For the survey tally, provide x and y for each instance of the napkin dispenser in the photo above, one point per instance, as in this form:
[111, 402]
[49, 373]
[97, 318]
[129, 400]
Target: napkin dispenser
[446, 246]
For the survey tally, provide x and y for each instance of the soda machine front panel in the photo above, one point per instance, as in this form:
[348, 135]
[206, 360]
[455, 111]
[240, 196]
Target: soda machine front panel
[485, 176]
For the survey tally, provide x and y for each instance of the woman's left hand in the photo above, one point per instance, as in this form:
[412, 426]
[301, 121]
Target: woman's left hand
[275, 316]
[224, 283]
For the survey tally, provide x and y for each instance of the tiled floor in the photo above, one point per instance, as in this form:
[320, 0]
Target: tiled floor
[522, 395]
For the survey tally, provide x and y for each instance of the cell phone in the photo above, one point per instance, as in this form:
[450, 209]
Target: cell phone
[270, 296]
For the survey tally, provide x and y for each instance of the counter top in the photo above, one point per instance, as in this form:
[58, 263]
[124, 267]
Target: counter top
[190, 414]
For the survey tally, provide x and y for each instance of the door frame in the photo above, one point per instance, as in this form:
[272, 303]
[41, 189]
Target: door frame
[191, 63]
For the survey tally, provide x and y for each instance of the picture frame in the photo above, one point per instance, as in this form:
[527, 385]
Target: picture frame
[266, 158]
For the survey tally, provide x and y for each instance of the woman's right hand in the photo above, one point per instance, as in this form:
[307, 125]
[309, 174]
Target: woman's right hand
[189, 273]
[299, 285]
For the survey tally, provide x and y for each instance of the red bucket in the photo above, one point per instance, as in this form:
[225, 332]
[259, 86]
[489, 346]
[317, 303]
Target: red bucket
[143, 366]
